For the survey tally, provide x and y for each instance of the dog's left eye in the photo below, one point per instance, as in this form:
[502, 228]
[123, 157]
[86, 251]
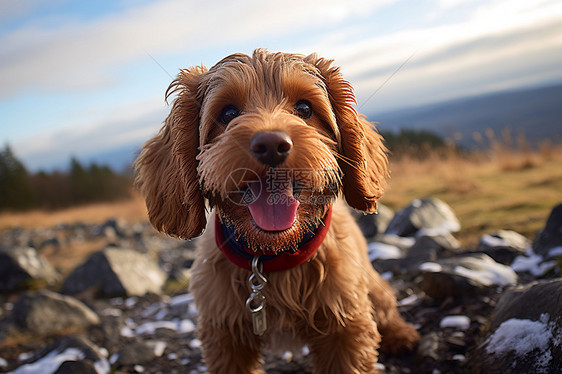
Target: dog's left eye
[228, 113]
[303, 109]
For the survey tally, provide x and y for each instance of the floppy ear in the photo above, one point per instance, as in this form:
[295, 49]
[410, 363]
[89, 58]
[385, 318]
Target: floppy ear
[166, 169]
[362, 156]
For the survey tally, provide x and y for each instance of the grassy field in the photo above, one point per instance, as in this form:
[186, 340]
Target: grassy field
[132, 210]
[499, 189]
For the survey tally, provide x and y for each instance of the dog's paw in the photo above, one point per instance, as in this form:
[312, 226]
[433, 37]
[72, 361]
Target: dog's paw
[401, 340]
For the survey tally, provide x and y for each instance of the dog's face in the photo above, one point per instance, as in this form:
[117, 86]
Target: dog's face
[269, 141]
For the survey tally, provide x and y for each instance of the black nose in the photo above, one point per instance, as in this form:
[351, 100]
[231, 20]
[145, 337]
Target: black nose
[271, 147]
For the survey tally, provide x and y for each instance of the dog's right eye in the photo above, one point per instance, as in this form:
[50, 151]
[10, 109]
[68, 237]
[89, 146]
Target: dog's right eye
[303, 109]
[228, 113]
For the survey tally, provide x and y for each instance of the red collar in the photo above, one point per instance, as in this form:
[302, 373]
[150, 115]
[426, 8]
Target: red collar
[242, 256]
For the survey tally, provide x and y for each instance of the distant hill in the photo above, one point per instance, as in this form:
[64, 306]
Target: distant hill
[119, 159]
[537, 113]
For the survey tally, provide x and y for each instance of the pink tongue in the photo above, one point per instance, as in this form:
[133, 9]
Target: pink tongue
[273, 211]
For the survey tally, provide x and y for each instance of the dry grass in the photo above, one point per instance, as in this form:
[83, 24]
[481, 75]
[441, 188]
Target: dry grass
[132, 210]
[505, 188]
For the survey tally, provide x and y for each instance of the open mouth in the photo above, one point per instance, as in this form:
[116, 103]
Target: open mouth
[272, 203]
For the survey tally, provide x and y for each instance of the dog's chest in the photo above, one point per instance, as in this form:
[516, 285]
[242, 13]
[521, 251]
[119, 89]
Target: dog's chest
[279, 343]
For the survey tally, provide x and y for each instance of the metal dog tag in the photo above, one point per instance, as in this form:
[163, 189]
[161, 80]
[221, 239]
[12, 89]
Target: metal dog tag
[256, 302]
[259, 320]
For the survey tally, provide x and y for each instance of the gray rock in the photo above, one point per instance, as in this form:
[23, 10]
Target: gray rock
[76, 367]
[525, 334]
[135, 353]
[414, 251]
[429, 347]
[430, 216]
[373, 224]
[464, 276]
[530, 301]
[503, 245]
[46, 312]
[504, 238]
[116, 272]
[22, 266]
[551, 235]
[398, 241]
[69, 348]
[434, 244]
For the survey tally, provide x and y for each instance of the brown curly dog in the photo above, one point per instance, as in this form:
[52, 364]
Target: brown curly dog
[268, 142]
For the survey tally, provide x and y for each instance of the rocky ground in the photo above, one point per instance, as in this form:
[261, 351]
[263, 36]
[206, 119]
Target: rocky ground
[126, 309]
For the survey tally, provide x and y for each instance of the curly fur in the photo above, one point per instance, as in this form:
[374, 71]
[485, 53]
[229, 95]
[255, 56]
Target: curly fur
[335, 303]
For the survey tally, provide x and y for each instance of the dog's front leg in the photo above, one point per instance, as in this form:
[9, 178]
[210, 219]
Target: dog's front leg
[229, 352]
[349, 349]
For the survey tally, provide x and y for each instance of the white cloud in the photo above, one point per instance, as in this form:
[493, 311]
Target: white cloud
[457, 59]
[447, 4]
[79, 55]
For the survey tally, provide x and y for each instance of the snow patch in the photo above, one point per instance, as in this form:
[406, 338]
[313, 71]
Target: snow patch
[494, 241]
[388, 275]
[131, 301]
[51, 362]
[445, 228]
[184, 299]
[532, 263]
[380, 367]
[409, 300]
[186, 326]
[523, 336]
[195, 343]
[382, 251]
[491, 274]
[458, 322]
[555, 252]
[127, 332]
[151, 327]
[287, 356]
[183, 326]
[431, 267]
[25, 356]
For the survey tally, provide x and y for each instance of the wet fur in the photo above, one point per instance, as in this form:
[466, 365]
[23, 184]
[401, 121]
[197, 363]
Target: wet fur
[335, 303]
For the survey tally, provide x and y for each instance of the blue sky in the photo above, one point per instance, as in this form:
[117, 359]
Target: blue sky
[80, 77]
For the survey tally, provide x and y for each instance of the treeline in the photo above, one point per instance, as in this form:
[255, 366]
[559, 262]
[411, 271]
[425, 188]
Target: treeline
[415, 143]
[21, 190]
